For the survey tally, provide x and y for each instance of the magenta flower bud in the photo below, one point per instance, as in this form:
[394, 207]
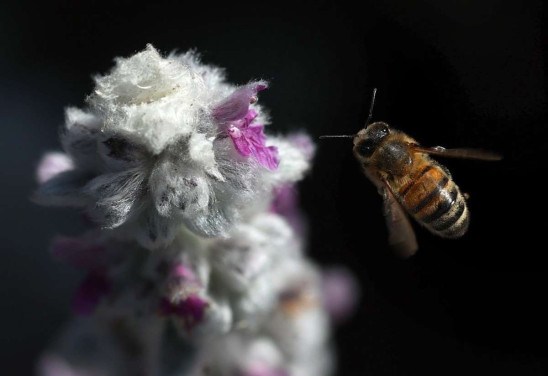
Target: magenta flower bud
[92, 289]
[190, 310]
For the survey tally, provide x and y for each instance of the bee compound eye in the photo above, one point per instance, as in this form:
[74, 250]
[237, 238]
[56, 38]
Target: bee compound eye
[365, 148]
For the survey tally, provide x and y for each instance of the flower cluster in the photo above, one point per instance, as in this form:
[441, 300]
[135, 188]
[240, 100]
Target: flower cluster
[194, 263]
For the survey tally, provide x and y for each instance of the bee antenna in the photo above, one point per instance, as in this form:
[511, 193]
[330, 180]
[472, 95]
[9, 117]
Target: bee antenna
[339, 136]
[371, 108]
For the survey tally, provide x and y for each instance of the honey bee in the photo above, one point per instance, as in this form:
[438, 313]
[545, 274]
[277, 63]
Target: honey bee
[412, 183]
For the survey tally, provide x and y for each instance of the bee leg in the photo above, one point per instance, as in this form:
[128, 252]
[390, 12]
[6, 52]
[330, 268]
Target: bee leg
[466, 196]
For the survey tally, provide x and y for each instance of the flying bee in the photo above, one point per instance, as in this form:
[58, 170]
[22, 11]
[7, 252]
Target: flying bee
[412, 183]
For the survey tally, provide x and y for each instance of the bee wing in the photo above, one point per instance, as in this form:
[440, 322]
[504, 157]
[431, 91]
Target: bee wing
[401, 235]
[465, 153]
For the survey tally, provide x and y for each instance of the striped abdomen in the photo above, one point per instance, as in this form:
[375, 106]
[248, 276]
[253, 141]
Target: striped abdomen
[434, 200]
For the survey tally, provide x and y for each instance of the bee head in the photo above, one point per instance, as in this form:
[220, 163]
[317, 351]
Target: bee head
[368, 139]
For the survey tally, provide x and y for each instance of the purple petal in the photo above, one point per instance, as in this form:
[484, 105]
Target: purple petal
[255, 134]
[77, 252]
[92, 289]
[242, 144]
[252, 142]
[285, 200]
[340, 293]
[237, 104]
[250, 116]
[53, 164]
[286, 204]
[249, 139]
[267, 156]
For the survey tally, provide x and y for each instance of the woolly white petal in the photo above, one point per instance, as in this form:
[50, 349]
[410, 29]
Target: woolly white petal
[115, 196]
[294, 162]
[153, 231]
[200, 150]
[141, 78]
[252, 249]
[79, 138]
[151, 99]
[213, 77]
[178, 187]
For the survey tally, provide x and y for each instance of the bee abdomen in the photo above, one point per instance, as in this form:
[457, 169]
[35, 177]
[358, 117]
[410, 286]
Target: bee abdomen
[436, 202]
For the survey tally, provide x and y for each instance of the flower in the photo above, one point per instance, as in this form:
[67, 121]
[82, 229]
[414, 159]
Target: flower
[166, 142]
[235, 115]
[197, 262]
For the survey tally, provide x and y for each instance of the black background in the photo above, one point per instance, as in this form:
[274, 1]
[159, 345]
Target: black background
[451, 73]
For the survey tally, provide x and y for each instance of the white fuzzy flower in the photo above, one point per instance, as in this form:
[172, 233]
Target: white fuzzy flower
[167, 142]
[169, 156]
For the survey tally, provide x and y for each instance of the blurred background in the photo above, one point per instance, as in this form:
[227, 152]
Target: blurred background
[451, 73]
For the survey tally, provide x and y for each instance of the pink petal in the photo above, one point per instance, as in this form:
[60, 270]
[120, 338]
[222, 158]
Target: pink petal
[285, 199]
[242, 145]
[249, 139]
[255, 133]
[267, 157]
[250, 116]
[52, 164]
